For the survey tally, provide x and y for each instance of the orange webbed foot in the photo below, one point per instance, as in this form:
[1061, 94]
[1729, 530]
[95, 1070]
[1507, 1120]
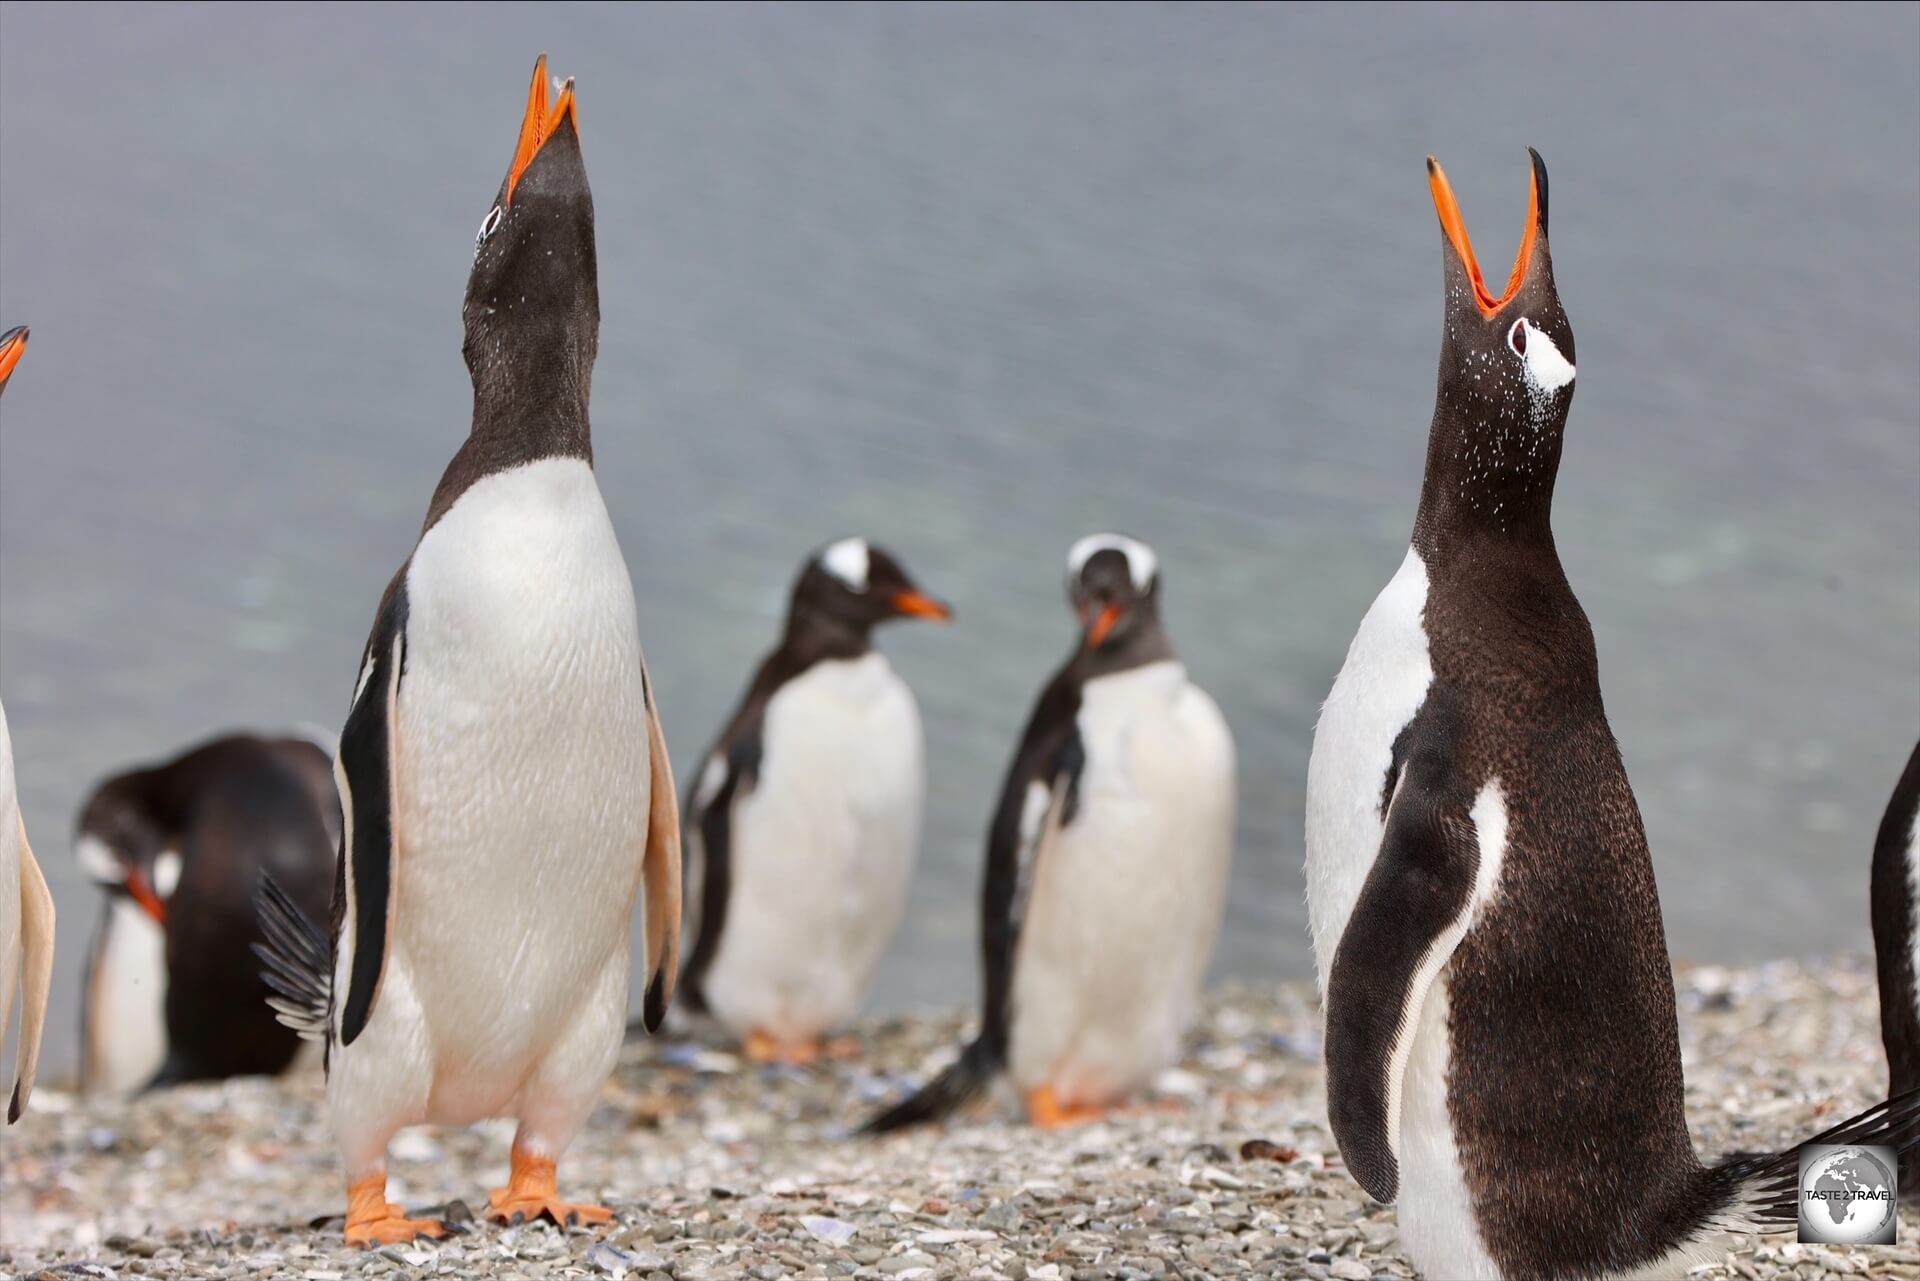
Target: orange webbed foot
[373, 1220]
[765, 1048]
[533, 1192]
[1045, 1111]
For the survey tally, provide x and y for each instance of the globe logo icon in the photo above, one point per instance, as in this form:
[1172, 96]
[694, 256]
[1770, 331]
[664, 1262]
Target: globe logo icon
[1847, 1195]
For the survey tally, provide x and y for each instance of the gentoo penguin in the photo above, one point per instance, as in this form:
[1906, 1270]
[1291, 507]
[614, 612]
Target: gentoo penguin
[1502, 1054]
[26, 905]
[1107, 864]
[805, 823]
[1896, 940]
[172, 993]
[505, 779]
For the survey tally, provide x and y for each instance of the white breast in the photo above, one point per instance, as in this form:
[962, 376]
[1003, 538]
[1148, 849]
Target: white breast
[1380, 687]
[822, 851]
[1379, 690]
[521, 743]
[126, 1013]
[9, 879]
[1126, 899]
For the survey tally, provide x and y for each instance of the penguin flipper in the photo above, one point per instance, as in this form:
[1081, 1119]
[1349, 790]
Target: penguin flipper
[36, 974]
[660, 873]
[731, 771]
[1413, 910]
[1039, 797]
[365, 772]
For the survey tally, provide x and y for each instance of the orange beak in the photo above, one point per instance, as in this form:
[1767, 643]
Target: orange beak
[142, 893]
[916, 605]
[1103, 625]
[540, 122]
[12, 344]
[1455, 228]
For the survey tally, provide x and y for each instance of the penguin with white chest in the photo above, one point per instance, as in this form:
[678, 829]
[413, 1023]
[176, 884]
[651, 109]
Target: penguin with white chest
[1896, 940]
[176, 848]
[505, 781]
[1107, 864]
[26, 904]
[804, 825]
[1502, 1053]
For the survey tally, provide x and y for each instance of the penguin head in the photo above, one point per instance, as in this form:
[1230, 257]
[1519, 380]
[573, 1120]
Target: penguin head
[122, 851]
[1113, 583]
[12, 344]
[854, 585]
[1506, 360]
[533, 296]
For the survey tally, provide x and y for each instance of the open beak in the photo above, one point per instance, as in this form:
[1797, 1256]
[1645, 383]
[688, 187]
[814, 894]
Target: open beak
[1455, 228]
[540, 122]
[12, 344]
[1103, 625]
[917, 605]
[141, 892]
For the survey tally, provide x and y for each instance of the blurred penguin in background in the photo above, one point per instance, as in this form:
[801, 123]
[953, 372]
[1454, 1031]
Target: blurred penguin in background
[1107, 863]
[805, 824]
[173, 992]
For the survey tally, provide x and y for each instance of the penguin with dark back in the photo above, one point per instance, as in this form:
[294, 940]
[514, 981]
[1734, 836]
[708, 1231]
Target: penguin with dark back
[1106, 868]
[1501, 1045]
[172, 993]
[803, 829]
[505, 781]
[1896, 942]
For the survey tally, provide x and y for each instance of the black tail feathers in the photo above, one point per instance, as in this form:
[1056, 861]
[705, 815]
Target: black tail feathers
[960, 1084]
[1761, 1193]
[297, 961]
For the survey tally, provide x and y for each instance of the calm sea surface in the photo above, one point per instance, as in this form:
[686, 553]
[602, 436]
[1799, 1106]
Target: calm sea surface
[975, 281]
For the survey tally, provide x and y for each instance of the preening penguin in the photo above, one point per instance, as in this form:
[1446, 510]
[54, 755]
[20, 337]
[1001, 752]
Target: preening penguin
[804, 825]
[26, 904]
[1896, 940]
[1107, 860]
[1502, 1052]
[505, 780]
[172, 992]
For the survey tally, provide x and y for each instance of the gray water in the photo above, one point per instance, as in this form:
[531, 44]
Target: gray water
[975, 281]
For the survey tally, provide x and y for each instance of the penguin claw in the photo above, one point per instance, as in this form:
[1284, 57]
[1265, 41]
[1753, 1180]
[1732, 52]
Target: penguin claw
[532, 1194]
[512, 1211]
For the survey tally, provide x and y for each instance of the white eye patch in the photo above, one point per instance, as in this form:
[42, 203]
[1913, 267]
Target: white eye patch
[847, 560]
[166, 873]
[487, 228]
[97, 859]
[1547, 369]
[1142, 564]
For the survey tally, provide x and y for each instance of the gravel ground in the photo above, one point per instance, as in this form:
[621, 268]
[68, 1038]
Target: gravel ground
[717, 1169]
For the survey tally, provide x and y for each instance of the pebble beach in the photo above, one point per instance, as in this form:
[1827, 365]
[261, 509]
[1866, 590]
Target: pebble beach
[717, 1168]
